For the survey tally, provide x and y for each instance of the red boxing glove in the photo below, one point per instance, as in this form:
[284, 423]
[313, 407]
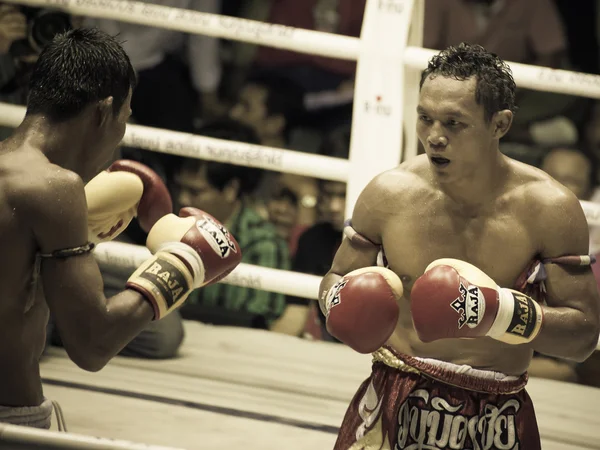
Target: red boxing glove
[189, 252]
[362, 308]
[125, 190]
[155, 201]
[454, 299]
[218, 249]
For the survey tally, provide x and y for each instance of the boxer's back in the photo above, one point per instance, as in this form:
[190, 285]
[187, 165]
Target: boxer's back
[500, 238]
[23, 311]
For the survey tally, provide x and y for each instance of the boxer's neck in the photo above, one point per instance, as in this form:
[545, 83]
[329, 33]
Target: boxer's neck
[478, 189]
[63, 143]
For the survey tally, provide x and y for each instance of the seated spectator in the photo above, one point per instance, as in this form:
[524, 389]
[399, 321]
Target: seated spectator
[318, 244]
[271, 105]
[222, 190]
[528, 32]
[576, 170]
[282, 209]
[178, 75]
[314, 73]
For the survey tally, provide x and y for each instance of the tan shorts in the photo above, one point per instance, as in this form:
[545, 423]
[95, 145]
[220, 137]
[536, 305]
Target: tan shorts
[29, 416]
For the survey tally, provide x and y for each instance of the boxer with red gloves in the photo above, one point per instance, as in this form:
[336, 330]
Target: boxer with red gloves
[482, 261]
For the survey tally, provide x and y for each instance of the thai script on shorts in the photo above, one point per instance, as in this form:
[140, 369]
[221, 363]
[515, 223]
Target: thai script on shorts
[438, 425]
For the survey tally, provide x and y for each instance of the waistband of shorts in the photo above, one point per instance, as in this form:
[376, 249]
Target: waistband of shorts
[461, 376]
[30, 416]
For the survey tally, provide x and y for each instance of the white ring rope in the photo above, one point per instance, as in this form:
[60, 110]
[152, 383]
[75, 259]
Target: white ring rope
[298, 39]
[528, 76]
[194, 146]
[216, 25]
[15, 436]
[130, 257]
[239, 153]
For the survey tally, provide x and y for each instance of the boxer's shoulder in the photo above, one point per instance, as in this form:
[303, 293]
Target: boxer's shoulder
[48, 190]
[409, 178]
[535, 189]
[547, 208]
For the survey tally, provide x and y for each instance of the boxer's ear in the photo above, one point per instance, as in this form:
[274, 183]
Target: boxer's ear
[501, 122]
[105, 110]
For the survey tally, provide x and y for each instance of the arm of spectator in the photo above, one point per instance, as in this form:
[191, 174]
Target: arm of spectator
[205, 62]
[433, 25]
[297, 308]
[547, 35]
[287, 319]
[13, 26]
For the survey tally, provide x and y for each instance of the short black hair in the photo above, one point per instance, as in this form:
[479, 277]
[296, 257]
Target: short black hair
[284, 96]
[77, 68]
[495, 84]
[220, 174]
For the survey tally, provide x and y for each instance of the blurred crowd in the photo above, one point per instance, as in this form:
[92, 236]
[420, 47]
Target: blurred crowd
[242, 92]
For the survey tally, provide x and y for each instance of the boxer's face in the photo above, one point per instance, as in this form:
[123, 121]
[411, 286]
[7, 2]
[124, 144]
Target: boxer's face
[110, 133]
[452, 127]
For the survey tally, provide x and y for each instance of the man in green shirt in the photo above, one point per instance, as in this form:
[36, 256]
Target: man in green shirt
[222, 190]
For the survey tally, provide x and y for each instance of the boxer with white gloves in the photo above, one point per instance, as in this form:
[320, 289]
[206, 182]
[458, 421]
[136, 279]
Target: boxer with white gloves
[484, 262]
[77, 110]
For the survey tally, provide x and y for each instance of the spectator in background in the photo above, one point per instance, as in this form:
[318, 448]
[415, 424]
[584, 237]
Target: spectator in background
[528, 32]
[178, 74]
[222, 190]
[271, 105]
[591, 138]
[576, 170]
[318, 244]
[282, 209]
[313, 73]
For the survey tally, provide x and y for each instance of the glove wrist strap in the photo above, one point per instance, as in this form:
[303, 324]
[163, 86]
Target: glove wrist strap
[519, 318]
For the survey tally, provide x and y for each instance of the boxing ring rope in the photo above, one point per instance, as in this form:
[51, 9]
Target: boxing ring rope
[194, 146]
[14, 437]
[129, 257]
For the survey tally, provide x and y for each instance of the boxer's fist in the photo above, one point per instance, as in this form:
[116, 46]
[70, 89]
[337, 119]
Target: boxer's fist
[218, 249]
[454, 299]
[125, 190]
[362, 308]
[189, 252]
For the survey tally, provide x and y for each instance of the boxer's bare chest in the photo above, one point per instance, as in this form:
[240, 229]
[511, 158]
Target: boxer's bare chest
[496, 240]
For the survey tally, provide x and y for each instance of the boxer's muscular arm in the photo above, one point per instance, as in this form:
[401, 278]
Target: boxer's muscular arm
[572, 315]
[93, 329]
[367, 218]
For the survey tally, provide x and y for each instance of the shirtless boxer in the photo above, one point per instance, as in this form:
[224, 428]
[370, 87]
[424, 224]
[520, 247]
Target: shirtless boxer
[78, 106]
[497, 219]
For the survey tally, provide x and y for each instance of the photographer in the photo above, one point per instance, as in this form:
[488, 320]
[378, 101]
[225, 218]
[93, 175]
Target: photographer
[24, 32]
[13, 27]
